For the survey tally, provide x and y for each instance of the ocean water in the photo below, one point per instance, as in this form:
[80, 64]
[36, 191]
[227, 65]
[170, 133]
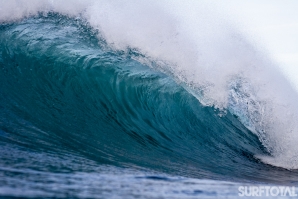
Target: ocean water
[106, 99]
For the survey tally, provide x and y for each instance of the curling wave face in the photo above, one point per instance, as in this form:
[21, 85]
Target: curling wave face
[66, 91]
[170, 87]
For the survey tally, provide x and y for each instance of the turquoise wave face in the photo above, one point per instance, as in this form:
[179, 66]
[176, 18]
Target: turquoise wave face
[64, 91]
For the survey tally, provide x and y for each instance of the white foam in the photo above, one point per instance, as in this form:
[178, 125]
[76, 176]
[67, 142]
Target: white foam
[204, 50]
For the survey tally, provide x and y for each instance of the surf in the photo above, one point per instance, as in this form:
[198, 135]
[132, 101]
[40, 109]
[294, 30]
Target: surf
[166, 86]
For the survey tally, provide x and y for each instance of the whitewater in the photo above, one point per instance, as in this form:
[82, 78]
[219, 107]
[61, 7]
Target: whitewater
[150, 99]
